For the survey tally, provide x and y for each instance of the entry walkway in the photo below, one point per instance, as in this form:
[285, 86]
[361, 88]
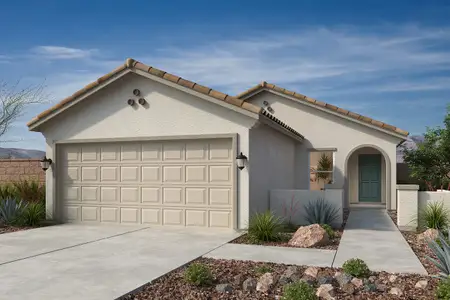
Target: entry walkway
[371, 236]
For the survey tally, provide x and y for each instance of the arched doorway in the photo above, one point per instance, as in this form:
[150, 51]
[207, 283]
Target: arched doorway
[367, 176]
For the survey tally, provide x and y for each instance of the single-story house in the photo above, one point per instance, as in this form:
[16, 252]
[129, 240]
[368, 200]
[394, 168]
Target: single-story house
[143, 146]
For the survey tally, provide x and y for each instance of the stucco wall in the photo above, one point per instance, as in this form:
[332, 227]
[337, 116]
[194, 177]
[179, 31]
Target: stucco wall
[270, 165]
[13, 170]
[169, 112]
[353, 174]
[324, 130]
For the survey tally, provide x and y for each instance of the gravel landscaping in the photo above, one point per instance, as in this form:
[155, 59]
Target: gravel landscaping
[253, 280]
[419, 247]
[8, 229]
[332, 245]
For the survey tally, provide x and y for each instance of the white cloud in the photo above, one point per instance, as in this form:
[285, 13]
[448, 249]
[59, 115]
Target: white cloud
[58, 52]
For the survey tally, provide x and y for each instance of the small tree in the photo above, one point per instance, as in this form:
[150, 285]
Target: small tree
[430, 162]
[14, 101]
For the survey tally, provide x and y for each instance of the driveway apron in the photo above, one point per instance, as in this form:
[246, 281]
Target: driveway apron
[371, 236]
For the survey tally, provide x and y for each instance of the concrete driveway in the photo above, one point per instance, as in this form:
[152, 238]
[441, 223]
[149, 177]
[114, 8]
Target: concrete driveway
[95, 262]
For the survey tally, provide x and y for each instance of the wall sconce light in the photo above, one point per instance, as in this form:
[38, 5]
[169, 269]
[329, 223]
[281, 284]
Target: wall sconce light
[130, 102]
[45, 163]
[240, 160]
[142, 101]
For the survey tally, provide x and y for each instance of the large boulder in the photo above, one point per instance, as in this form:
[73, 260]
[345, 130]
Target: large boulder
[309, 236]
[429, 234]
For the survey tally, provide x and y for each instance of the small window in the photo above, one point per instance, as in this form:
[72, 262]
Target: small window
[321, 168]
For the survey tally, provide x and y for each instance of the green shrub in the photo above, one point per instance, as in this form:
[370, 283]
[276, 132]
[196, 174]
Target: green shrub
[11, 211]
[299, 291]
[356, 267]
[443, 289]
[329, 230]
[264, 227]
[321, 212]
[263, 269]
[33, 214]
[7, 191]
[441, 250]
[198, 274]
[434, 215]
[29, 190]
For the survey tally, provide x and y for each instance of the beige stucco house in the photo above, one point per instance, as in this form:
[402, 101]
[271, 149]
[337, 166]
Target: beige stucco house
[143, 146]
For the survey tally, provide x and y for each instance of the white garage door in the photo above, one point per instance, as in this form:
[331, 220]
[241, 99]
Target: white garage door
[182, 182]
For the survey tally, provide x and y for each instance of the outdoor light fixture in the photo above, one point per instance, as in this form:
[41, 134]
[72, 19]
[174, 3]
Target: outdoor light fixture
[45, 163]
[241, 159]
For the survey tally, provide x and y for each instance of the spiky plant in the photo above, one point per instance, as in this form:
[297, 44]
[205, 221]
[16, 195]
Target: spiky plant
[11, 211]
[441, 249]
[7, 190]
[435, 216]
[321, 211]
[30, 191]
[34, 213]
[324, 166]
[265, 227]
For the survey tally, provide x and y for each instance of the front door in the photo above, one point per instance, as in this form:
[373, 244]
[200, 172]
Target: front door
[369, 177]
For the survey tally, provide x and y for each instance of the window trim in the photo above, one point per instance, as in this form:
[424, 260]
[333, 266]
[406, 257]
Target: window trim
[333, 151]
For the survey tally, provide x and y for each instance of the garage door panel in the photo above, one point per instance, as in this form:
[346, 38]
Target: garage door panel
[196, 217]
[179, 183]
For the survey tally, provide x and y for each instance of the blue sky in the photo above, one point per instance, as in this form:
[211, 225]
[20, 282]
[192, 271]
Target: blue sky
[389, 60]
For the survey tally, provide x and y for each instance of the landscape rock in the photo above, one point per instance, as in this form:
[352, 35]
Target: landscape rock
[396, 291]
[381, 287]
[311, 271]
[348, 288]
[291, 274]
[224, 288]
[421, 284]
[324, 280]
[325, 291]
[265, 283]
[238, 279]
[357, 282]
[430, 233]
[392, 278]
[309, 236]
[309, 280]
[370, 287]
[343, 279]
[249, 284]
[372, 279]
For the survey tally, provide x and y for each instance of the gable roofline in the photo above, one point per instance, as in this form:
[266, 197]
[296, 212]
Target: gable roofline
[264, 86]
[161, 76]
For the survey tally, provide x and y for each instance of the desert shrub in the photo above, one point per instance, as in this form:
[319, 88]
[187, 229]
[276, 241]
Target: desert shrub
[11, 211]
[198, 274]
[443, 289]
[441, 250]
[263, 269]
[321, 212]
[7, 191]
[33, 214]
[435, 215]
[29, 190]
[328, 229]
[290, 227]
[264, 227]
[356, 267]
[299, 291]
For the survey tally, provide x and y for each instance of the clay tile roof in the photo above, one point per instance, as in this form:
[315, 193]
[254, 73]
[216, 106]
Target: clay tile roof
[302, 98]
[136, 65]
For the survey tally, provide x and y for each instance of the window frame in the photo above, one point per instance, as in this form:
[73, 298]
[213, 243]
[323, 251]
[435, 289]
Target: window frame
[333, 157]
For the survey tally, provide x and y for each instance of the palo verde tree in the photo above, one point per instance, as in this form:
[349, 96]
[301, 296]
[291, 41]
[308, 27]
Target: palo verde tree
[13, 102]
[430, 162]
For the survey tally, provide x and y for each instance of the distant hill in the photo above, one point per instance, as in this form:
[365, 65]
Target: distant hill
[20, 153]
[411, 143]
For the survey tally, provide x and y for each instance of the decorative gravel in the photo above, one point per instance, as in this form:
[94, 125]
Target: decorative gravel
[420, 248]
[173, 286]
[8, 229]
[333, 245]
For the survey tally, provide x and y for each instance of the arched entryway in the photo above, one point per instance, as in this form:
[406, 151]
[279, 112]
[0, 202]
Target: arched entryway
[367, 176]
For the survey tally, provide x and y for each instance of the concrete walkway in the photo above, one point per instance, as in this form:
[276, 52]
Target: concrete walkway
[371, 235]
[281, 255]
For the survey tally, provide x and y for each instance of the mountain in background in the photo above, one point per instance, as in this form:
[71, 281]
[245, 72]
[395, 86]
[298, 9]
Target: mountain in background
[411, 143]
[11, 153]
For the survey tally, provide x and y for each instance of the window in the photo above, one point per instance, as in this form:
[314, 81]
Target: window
[321, 166]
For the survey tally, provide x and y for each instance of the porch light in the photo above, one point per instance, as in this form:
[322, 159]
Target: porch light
[45, 163]
[241, 159]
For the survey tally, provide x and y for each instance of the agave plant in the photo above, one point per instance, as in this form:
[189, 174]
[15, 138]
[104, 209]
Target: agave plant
[441, 249]
[11, 211]
[321, 212]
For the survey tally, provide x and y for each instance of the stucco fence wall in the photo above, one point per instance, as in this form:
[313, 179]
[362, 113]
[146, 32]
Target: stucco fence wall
[411, 203]
[13, 170]
[286, 203]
